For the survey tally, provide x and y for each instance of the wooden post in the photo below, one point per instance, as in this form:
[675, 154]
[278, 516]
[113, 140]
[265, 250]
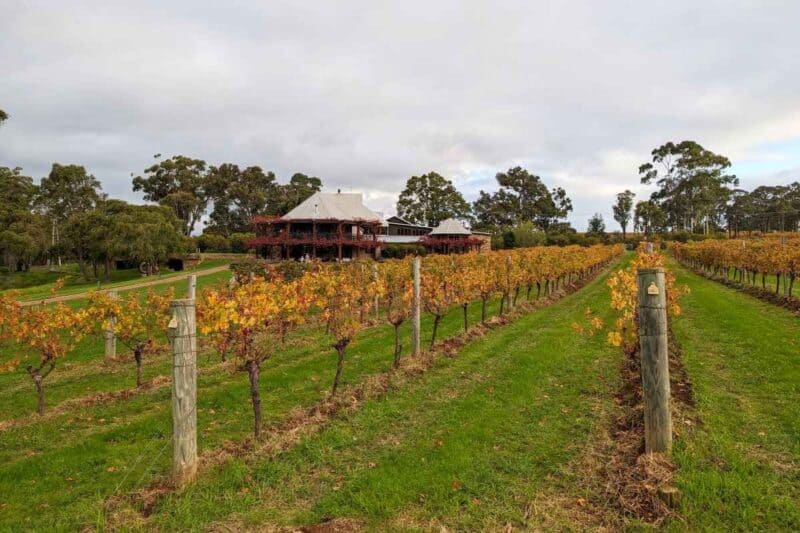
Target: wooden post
[182, 334]
[109, 334]
[377, 300]
[416, 337]
[192, 287]
[655, 360]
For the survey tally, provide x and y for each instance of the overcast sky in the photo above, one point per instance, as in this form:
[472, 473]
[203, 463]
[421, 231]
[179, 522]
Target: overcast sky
[366, 94]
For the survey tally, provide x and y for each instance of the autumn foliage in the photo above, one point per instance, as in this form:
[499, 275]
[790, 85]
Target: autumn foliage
[743, 260]
[624, 297]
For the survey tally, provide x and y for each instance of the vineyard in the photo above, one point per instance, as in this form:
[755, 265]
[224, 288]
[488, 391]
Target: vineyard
[319, 398]
[775, 258]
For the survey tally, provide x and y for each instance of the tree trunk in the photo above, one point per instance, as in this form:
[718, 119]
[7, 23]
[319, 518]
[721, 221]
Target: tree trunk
[397, 347]
[137, 356]
[483, 311]
[39, 383]
[340, 347]
[253, 371]
[464, 306]
[436, 320]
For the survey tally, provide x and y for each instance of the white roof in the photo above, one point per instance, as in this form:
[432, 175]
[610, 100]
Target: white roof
[450, 226]
[339, 206]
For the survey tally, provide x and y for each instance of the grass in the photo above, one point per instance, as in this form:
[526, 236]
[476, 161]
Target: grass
[740, 469]
[38, 283]
[56, 473]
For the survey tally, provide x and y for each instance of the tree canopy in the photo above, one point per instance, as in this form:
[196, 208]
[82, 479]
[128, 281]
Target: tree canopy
[429, 199]
[597, 226]
[693, 184]
[522, 197]
[622, 209]
[179, 182]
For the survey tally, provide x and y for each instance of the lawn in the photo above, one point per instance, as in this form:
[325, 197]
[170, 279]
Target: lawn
[740, 469]
[38, 283]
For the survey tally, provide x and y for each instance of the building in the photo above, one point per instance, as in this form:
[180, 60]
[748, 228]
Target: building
[338, 226]
[451, 236]
[328, 226]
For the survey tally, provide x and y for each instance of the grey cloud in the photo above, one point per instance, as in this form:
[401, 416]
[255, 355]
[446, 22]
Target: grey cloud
[365, 94]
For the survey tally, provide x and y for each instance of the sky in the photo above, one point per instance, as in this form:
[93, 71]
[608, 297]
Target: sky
[366, 94]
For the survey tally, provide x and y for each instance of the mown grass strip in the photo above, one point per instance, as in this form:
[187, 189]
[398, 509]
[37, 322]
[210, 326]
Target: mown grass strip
[740, 468]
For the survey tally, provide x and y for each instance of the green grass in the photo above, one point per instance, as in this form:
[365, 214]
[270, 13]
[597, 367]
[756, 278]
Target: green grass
[740, 469]
[56, 473]
[38, 283]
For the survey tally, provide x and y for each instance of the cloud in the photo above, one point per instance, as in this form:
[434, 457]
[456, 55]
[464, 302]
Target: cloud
[366, 94]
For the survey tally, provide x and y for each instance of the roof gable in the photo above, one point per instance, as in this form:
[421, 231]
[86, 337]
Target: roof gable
[450, 226]
[338, 206]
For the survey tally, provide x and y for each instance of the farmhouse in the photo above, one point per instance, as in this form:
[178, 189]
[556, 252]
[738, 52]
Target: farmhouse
[338, 226]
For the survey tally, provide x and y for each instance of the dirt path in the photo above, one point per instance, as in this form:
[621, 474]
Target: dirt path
[122, 288]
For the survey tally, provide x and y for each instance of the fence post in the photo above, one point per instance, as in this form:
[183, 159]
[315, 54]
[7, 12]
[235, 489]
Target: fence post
[182, 333]
[109, 334]
[192, 287]
[415, 308]
[655, 359]
[377, 300]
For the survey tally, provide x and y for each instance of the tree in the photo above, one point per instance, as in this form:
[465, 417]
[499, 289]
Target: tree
[182, 183]
[117, 230]
[3, 116]
[693, 186]
[622, 209]
[494, 211]
[596, 225]
[429, 199]
[21, 231]
[239, 195]
[522, 197]
[649, 218]
[299, 188]
[67, 190]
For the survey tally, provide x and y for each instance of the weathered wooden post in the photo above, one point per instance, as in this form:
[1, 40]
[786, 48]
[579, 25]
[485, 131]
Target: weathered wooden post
[377, 300]
[110, 334]
[192, 287]
[416, 337]
[182, 334]
[655, 360]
